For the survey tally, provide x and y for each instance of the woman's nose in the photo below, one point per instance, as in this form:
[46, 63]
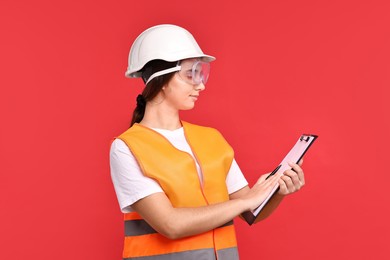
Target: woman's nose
[200, 87]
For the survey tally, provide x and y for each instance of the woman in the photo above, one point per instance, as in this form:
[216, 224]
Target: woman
[178, 183]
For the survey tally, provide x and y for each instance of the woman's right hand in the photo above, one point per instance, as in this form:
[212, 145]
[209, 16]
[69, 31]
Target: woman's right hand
[260, 191]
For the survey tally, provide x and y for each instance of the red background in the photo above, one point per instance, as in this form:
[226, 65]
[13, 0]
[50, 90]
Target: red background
[282, 68]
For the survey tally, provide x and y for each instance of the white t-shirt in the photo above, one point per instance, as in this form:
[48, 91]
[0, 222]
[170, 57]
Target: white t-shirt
[131, 185]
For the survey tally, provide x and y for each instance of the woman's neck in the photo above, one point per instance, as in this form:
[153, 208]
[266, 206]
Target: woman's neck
[158, 117]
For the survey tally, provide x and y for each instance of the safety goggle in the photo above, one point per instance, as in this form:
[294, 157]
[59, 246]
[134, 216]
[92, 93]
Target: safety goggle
[190, 71]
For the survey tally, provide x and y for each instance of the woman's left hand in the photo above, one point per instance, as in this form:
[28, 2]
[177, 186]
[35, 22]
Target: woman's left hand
[292, 180]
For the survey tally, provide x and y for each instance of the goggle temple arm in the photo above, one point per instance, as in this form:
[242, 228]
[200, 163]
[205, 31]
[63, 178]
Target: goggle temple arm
[163, 72]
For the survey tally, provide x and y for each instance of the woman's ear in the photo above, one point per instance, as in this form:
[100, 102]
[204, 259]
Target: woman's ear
[165, 88]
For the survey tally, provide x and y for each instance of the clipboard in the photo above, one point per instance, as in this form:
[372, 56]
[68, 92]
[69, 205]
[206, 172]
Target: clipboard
[294, 155]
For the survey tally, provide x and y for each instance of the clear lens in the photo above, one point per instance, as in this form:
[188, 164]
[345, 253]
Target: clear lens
[194, 72]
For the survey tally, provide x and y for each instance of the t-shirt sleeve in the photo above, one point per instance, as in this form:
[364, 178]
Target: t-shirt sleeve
[235, 180]
[129, 182]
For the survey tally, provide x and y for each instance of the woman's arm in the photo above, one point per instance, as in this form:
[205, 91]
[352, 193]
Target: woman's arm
[176, 223]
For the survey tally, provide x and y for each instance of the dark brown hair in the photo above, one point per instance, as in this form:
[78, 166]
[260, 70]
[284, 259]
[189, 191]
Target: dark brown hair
[153, 87]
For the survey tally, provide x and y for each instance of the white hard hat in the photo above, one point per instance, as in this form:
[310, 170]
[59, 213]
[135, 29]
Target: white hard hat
[163, 42]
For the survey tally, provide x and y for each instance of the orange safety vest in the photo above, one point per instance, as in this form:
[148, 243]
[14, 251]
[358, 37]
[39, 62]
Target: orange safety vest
[176, 173]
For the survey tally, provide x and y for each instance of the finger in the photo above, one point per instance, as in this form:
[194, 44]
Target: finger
[289, 183]
[295, 167]
[282, 187]
[300, 162]
[264, 183]
[299, 171]
[262, 178]
[294, 178]
[272, 180]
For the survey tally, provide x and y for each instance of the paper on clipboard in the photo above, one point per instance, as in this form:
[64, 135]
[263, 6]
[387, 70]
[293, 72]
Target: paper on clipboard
[294, 155]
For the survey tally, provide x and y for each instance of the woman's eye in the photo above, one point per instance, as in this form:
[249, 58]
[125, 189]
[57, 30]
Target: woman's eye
[189, 75]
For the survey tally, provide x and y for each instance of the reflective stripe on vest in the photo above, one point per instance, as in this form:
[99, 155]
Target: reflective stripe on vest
[214, 155]
[202, 254]
[138, 227]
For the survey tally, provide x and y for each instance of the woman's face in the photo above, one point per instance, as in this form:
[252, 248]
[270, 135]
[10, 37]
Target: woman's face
[180, 93]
